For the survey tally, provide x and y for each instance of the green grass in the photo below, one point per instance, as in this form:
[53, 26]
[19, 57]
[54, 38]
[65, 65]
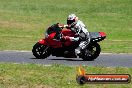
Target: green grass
[55, 76]
[22, 22]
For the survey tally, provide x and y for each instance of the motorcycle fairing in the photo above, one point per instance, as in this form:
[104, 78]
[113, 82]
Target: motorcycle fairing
[97, 36]
[54, 43]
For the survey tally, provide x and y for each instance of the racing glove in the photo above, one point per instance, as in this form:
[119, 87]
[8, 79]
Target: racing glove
[74, 39]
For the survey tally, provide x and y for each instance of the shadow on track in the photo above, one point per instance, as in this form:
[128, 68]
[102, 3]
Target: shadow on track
[33, 58]
[66, 59]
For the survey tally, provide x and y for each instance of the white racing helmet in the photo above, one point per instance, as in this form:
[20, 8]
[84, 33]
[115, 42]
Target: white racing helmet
[72, 20]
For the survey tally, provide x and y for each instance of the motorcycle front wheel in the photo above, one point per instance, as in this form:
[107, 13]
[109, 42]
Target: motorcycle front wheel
[41, 51]
[91, 52]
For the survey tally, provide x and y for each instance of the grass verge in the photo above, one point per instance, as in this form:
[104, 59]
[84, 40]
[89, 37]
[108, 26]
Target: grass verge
[54, 76]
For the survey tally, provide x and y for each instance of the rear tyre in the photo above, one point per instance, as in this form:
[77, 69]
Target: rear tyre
[41, 51]
[91, 52]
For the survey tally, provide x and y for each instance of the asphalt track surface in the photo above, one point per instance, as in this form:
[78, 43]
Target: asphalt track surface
[114, 60]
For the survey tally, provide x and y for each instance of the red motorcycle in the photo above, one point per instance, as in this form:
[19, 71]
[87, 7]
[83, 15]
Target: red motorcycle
[50, 46]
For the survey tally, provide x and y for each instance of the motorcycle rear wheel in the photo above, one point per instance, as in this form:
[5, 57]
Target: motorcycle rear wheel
[92, 52]
[41, 51]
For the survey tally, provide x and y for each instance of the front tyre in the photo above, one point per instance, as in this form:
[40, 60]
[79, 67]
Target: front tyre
[91, 52]
[41, 51]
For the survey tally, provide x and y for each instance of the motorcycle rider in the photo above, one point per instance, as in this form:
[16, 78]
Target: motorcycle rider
[79, 28]
[74, 24]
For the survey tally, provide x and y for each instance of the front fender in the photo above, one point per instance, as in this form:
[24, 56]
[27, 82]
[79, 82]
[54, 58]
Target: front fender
[42, 41]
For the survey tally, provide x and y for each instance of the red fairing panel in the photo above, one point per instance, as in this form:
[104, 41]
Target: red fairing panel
[51, 42]
[54, 43]
[68, 32]
[52, 35]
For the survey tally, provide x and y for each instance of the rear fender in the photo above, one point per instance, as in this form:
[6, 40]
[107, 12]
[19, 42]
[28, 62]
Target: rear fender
[97, 36]
[102, 34]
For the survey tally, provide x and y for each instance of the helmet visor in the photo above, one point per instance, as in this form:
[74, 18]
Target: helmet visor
[70, 21]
